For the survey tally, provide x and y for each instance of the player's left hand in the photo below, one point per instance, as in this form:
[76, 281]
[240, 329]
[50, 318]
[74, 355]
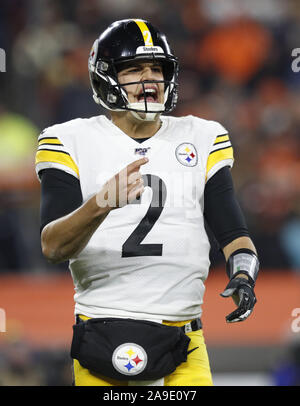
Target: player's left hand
[242, 292]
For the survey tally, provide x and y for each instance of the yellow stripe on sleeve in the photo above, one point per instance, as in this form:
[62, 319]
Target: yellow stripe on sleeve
[221, 139]
[217, 156]
[58, 157]
[54, 141]
[145, 32]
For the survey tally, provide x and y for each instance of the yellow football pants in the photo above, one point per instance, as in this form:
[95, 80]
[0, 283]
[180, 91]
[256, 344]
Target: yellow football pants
[194, 372]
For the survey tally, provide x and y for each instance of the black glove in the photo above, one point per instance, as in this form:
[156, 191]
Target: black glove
[242, 292]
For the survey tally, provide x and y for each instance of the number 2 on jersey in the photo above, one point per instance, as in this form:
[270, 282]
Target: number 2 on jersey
[133, 246]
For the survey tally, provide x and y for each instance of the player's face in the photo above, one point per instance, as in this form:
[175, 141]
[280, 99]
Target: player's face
[143, 71]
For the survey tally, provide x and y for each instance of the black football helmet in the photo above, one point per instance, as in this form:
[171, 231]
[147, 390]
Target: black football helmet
[126, 41]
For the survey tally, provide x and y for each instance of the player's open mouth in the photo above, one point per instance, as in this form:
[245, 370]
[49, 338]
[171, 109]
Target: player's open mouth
[150, 95]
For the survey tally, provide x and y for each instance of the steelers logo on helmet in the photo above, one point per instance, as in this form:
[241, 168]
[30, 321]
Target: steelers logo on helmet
[93, 53]
[186, 154]
[134, 40]
[129, 359]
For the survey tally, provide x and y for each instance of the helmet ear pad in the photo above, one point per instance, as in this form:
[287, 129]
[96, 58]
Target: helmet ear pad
[108, 92]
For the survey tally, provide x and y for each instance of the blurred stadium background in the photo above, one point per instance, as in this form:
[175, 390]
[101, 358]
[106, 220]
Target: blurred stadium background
[236, 68]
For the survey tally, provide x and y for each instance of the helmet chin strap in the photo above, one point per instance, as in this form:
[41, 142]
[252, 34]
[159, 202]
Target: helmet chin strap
[155, 108]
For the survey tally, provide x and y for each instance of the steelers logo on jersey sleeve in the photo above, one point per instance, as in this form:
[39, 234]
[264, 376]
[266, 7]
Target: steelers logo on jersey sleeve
[129, 359]
[186, 154]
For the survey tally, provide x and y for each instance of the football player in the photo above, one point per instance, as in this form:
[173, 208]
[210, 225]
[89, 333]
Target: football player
[124, 198]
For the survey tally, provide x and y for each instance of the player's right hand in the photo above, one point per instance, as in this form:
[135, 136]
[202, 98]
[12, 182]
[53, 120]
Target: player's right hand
[124, 187]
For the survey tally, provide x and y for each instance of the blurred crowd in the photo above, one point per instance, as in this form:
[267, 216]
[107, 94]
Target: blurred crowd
[24, 364]
[235, 67]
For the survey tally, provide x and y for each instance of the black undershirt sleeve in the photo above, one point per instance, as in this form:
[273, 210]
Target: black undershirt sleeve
[60, 195]
[222, 211]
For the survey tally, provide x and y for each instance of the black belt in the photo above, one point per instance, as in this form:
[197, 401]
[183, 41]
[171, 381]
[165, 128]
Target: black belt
[193, 325]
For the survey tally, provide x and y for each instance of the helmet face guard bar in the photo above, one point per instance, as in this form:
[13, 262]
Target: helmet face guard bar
[169, 87]
[116, 96]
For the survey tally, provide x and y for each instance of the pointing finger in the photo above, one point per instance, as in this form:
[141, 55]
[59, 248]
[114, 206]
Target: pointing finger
[137, 164]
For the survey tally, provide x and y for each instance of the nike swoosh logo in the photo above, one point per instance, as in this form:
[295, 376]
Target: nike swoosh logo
[193, 349]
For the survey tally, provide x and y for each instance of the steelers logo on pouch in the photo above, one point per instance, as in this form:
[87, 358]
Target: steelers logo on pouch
[186, 154]
[129, 359]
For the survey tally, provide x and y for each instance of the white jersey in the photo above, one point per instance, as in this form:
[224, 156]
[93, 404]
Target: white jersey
[148, 259]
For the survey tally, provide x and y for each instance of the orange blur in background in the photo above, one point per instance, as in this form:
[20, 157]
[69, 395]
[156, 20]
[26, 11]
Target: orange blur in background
[40, 309]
